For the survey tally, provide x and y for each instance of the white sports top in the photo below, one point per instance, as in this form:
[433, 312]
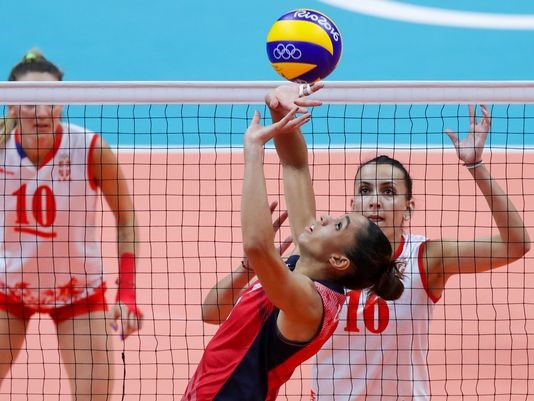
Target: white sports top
[49, 256]
[379, 349]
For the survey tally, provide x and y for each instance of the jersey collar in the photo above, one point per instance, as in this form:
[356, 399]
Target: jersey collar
[50, 155]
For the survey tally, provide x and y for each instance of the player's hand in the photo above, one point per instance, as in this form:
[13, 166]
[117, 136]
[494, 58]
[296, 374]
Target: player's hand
[285, 97]
[125, 319]
[257, 134]
[471, 148]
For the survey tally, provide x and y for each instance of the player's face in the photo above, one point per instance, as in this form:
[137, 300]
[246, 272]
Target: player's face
[332, 234]
[40, 120]
[381, 196]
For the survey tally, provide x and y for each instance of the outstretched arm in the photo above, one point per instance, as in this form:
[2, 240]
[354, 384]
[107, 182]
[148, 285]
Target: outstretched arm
[446, 258]
[282, 286]
[293, 153]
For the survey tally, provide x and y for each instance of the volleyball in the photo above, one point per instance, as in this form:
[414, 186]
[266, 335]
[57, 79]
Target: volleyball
[304, 46]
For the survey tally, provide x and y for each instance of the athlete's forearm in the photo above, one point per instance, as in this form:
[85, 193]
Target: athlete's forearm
[223, 296]
[511, 227]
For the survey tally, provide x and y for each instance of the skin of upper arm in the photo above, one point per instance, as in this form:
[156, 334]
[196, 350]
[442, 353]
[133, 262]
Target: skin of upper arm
[446, 258]
[110, 179]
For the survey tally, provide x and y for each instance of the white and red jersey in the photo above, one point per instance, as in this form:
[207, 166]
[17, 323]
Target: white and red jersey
[379, 349]
[49, 255]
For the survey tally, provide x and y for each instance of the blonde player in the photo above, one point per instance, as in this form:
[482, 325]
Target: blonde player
[50, 262]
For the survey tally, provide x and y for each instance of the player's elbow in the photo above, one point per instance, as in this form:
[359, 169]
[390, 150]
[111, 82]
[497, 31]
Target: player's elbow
[527, 242]
[518, 249]
[525, 247]
[259, 254]
[210, 314]
[256, 244]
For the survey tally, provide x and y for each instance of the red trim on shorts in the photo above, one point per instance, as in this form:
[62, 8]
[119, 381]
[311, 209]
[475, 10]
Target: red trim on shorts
[423, 274]
[14, 307]
[93, 303]
[90, 176]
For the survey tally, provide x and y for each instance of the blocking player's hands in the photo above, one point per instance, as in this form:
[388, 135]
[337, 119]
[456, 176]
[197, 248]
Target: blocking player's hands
[277, 223]
[285, 97]
[258, 135]
[470, 149]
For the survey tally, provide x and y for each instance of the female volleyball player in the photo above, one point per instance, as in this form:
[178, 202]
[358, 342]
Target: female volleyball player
[50, 260]
[285, 317]
[383, 357]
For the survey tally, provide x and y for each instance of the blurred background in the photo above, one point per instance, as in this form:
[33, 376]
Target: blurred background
[215, 40]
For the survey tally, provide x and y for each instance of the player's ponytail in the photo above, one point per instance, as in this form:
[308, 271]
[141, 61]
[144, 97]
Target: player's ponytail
[389, 285]
[372, 265]
[7, 124]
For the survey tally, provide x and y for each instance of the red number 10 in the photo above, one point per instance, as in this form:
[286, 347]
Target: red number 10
[43, 206]
[373, 305]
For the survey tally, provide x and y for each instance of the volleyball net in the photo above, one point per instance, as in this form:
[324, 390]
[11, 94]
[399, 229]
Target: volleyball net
[180, 147]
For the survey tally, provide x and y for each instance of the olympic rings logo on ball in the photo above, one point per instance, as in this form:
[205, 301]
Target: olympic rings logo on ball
[289, 52]
[304, 46]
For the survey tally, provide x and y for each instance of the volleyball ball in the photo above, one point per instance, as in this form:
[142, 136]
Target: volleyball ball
[304, 46]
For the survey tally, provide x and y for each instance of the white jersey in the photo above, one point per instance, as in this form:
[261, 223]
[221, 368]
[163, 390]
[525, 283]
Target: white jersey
[49, 256]
[379, 349]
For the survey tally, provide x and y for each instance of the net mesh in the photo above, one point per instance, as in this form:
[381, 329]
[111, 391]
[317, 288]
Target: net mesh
[184, 166]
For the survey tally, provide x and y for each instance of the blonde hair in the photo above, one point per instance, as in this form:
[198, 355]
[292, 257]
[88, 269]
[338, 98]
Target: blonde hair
[7, 124]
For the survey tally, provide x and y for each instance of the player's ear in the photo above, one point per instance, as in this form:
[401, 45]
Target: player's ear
[408, 212]
[339, 261]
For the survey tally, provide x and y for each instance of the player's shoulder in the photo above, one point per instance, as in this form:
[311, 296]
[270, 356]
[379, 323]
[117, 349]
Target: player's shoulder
[77, 137]
[71, 128]
[411, 245]
[415, 238]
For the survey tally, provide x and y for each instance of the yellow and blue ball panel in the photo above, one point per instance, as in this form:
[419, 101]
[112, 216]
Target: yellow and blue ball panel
[304, 45]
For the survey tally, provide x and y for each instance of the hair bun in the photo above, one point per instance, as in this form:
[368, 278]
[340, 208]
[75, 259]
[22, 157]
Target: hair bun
[390, 286]
[31, 55]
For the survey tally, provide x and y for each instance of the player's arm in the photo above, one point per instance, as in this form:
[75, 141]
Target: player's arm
[281, 285]
[293, 154]
[222, 297]
[109, 177]
[447, 258]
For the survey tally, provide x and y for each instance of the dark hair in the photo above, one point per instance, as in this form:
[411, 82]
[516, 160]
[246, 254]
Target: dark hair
[34, 61]
[383, 159]
[372, 265]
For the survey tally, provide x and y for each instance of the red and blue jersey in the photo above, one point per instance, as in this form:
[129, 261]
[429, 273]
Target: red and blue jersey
[248, 359]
